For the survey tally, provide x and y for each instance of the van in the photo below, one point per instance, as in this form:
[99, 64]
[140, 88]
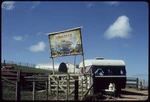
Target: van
[106, 73]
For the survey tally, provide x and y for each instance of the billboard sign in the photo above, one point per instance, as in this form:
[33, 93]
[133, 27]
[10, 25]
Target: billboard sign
[65, 43]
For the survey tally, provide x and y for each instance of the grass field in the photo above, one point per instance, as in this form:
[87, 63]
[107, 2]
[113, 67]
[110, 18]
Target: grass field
[9, 90]
[30, 69]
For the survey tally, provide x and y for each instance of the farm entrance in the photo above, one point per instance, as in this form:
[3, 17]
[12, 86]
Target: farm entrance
[62, 86]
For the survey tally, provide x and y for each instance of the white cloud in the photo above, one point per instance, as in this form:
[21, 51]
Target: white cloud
[120, 28]
[18, 38]
[38, 47]
[35, 4]
[8, 5]
[111, 3]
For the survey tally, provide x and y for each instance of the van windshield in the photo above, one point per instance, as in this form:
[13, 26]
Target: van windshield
[108, 70]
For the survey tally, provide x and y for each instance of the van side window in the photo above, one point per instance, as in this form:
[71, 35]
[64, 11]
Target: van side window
[121, 72]
[109, 70]
[99, 71]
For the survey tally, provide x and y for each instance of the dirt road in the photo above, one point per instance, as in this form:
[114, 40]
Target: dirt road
[133, 94]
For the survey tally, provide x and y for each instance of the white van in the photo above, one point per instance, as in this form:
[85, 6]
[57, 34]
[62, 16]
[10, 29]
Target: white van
[106, 72]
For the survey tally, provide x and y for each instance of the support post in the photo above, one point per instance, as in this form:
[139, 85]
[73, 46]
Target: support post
[46, 83]
[67, 90]
[57, 88]
[53, 65]
[18, 86]
[67, 87]
[33, 90]
[49, 85]
[68, 83]
[137, 83]
[74, 63]
[140, 85]
[4, 63]
[76, 90]
[84, 71]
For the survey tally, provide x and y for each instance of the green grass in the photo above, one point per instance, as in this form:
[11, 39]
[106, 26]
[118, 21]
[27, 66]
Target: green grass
[9, 90]
[31, 69]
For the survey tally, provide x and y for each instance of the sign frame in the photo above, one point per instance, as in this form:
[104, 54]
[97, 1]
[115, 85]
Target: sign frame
[81, 52]
[66, 43]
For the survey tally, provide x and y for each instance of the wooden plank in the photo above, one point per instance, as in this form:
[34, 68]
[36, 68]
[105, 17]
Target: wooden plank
[87, 92]
[36, 80]
[56, 83]
[131, 80]
[65, 81]
[57, 89]
[12, 82]
[63, 85]
[36, 77]
[109, 76]
[131, 83]
[11, 78]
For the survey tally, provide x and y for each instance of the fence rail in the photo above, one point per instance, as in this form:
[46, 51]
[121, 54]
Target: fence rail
[133, 82]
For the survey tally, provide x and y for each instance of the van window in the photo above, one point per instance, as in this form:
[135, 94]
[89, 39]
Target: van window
[108, 70]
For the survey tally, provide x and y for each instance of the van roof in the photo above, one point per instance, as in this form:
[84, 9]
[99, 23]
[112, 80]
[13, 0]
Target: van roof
[102, 62]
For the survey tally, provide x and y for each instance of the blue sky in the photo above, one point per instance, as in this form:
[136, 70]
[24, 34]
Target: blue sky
[113, 30]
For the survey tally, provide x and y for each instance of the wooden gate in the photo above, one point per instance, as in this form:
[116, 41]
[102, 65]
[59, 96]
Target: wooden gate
[62, 86]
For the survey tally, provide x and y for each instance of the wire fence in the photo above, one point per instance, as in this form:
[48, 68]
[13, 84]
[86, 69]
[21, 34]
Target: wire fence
[26, 64]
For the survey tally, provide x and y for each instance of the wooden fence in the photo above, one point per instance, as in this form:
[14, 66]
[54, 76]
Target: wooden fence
[132, 82]
[34, 80]
[12, 77]
[60, 86]
[18, 78]
[64, 86]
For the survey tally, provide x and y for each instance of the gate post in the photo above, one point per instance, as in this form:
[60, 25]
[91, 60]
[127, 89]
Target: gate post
[76, 90]
[67, 87]
[57, 93]
[46, 89]
[137, 83]
[49, 85]
[33, 90]
[18, 86]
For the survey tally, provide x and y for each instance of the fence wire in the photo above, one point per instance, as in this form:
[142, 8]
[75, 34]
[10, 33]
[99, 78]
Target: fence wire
[19, 63]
